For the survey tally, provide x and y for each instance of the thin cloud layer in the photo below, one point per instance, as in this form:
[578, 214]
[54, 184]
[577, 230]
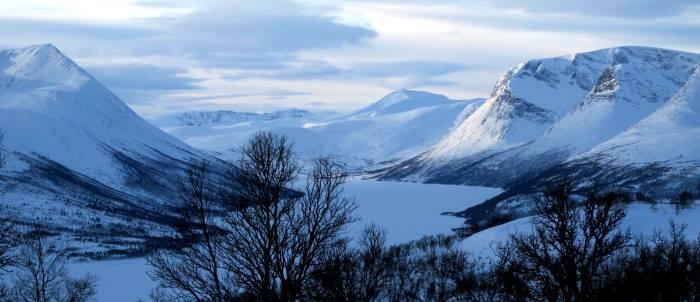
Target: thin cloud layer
[165, 55]
[141, 76]
[596, 8]
[616, 8]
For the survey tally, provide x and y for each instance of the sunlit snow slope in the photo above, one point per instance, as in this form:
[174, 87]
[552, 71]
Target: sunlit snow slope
[79, 159]
[545, 112]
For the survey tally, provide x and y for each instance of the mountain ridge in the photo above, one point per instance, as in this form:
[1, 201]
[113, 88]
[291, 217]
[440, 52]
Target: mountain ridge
[526, 135]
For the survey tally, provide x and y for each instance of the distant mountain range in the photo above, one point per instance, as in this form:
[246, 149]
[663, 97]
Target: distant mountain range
[224, 117]
[402, 124]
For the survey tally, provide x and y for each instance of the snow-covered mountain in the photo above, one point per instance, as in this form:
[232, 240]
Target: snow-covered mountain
[566, 115]
[552, 109]
[82, 163]
[79, 159]
[400, 125]
[659, 153]
[205, 118]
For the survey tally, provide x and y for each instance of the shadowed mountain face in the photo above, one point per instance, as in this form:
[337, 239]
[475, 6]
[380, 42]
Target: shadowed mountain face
[80, 160]
[600, 117]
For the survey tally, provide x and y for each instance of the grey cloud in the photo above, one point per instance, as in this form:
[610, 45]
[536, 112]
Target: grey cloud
[278, 93]
[74, 38]
[250, 35]
[423, 82]
[406, 68]
[236, 35]
[294, 70]
[141, 76]
[408, 74]
[642, 31]
[141, 83]
[616, 8]
[231, 34]
[317, 69]
[608, 8]
[268, 33]
[18, 27]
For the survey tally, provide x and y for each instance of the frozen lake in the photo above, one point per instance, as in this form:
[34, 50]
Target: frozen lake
[407, 211]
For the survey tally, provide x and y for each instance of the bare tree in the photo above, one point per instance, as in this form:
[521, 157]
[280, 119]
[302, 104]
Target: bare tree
[193, 269]
[8, 241]
[81, 289]
[8, 235]
[3, 152]
[41, 275]
[351, 274]
[371, 267]
[662, 267]
[335, 278]
[276, 235]
[562, 259]
[260, 238]
[684, 201]
[432, 268]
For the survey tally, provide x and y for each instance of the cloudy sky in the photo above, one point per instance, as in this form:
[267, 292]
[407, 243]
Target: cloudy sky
[164, 56]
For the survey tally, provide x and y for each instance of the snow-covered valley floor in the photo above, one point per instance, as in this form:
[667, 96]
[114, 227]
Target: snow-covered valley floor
[407, 211]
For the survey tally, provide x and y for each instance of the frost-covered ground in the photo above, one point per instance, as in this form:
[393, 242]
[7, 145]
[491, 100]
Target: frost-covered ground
[406, 211]
[640, 219]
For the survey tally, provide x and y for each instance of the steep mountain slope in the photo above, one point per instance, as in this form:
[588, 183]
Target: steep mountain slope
[546, 111]
[669, 134]
[663, 145]
[80, 160]
[402, 124]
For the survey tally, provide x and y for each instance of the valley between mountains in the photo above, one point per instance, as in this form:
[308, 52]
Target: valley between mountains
[84, 166]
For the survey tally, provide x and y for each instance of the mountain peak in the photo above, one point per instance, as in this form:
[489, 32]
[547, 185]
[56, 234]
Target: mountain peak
[39, 66]
[47, 48]
[406, 93]
[405, 100]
